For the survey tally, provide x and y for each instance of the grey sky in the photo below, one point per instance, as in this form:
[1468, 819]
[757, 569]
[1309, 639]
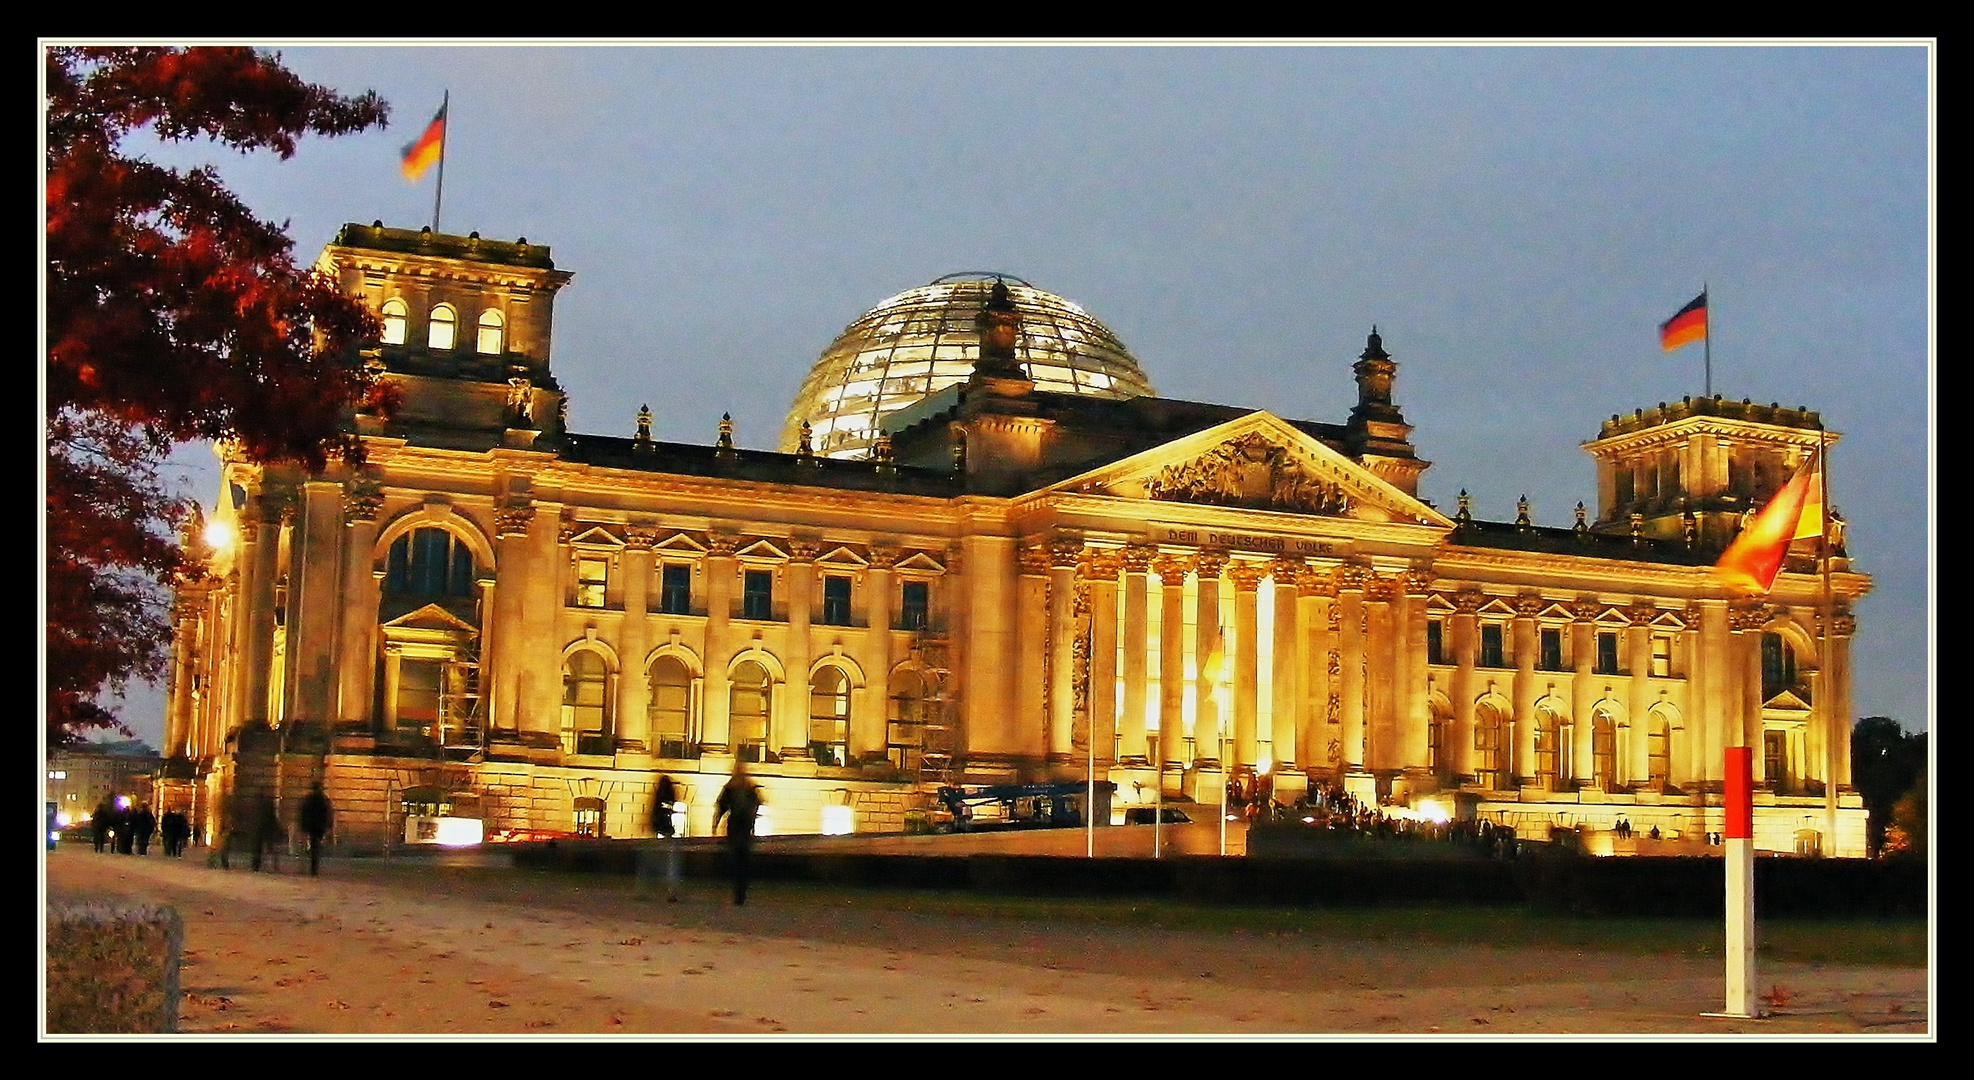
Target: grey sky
[1515, 220]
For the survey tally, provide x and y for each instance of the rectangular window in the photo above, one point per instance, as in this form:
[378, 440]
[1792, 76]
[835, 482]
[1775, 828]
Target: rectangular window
[1552, 648]
[592, 577]
[757, 595]
[1662, 655]
[675, 589]
[1775, 758]
[418, 699]
[914, 612]
[1436, 641]
[1490, 651]
[1607, 652]
[836, 600]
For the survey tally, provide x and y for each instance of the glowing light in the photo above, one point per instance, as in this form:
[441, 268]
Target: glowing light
[219, 534]
[838, 821]
[123, 802]
[1434, 811]
[459, 832]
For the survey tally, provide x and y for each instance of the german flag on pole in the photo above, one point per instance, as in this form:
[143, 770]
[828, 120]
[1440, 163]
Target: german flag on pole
[1755, 556]
[421, 153]
[1688, 326]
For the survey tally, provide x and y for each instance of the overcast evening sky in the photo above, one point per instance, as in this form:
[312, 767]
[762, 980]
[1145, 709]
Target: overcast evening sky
[1515, 220]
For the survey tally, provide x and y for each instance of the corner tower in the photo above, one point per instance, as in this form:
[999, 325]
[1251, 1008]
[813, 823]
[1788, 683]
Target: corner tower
[466, 325]
[1706, 459]
[1376, 433]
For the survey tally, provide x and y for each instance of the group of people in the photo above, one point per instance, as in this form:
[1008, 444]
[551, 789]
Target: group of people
[128, 831]
[738, 805]
[254, 822]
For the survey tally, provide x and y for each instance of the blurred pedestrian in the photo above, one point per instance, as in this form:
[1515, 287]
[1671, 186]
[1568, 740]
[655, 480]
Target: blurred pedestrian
[264, 829]
[316, 816]
[663, 799]
[173, 829]
[740, 804]
[99, 825]
[143, 824]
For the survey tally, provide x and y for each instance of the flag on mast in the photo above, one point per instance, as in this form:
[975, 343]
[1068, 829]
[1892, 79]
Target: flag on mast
[1796, 511]
[1686, 326]
[424, 151]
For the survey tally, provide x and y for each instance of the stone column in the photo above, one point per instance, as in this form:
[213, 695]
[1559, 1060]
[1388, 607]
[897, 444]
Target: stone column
[393, 662]
[1414, 707]
[1465, 632]
[1837, 691]
[1382, 670]
[1063, 557]
[178, 711]
[792, 736]
[1103, 568]
[867, 724]
[1585, 685]
[1208, 733]
[545, 595]
[357, 654]
[504, 637]
[633, 687]
[1136, 560]
[1316, 619]
[1247, 659]
[1747, 622]
[1172, 664]
[1031, 717]
[1633, 747]
[1286, 678]
[1527, 691]
[315, 602]
[1352, 580]
[720, 568]
[1713, 722]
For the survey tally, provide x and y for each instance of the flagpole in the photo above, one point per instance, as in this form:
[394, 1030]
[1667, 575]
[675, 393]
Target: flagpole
[1708, 333]
[1832, 723]
[445, 129]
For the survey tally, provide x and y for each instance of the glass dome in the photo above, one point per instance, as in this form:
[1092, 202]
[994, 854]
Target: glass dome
[923, 340]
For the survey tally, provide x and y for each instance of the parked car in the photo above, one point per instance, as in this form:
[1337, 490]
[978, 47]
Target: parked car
[1147, 815]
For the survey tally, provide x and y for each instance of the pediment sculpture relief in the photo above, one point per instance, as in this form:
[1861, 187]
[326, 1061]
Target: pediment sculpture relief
[1250, 472]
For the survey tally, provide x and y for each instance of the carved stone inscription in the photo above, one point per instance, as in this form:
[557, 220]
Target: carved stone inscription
[1252, 472]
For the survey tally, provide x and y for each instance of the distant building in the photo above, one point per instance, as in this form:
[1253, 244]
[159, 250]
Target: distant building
[983, 542]
[87, 774]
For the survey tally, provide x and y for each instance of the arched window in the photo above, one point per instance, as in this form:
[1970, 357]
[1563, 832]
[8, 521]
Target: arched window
[1604, 750]
[589, 817]
[905, 727]
[1778, 666]
[1658, 757]
[429, 562]
[444, 328]
[396, 317]
[748, 710]
[1548, 747]
[585, 702]
[1490, 747]
[672, 726]
[491, 332]
[1436, 749]
[829, 716]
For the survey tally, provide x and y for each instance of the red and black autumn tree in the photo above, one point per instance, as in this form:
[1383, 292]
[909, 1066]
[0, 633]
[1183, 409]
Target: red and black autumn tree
[173, 313]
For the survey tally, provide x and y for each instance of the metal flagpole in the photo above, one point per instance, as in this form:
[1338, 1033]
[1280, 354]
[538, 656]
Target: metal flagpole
[1707, 336]
[1832, 723]
[445, 131]
[1090, 704]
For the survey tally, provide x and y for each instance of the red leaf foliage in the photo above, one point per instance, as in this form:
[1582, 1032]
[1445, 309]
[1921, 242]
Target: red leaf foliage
[172, 313]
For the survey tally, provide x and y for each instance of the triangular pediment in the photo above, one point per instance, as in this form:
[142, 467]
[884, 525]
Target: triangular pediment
[920, 561]
[1612, 618]
[1438, 604]
[1497, 607]
[680, 544]
[1557, 613]
[1256, 462]
[431, 617]
[759, 550]
[1668, 621]
[595, 536]
[843, 557]
[1786, 702]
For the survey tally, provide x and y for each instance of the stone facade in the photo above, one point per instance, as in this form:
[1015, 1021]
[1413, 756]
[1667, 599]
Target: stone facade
[533, 623]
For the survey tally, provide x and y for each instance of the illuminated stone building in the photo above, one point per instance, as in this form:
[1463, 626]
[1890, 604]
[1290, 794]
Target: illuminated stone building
[984, 546]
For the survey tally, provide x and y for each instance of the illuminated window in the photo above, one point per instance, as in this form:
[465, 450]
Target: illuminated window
[1607, 652]
[675, 589]
[445, 324]
[1778, 666]
[1604, 750]
[429, 562]
[908, 713]
[757, 595]
[748, 701]
[829, 717]
[589, 817]
[1775, 758]
[1491, 653]
[1552, 648]
[914, 609]
[585, 702]
[1548, 747]
[490, 332]
[1662, 655]
[418, 700]
[671, 709]
[1659, 750]
[592, 579]
[1489, 752]
[396, 318]
[836, 600]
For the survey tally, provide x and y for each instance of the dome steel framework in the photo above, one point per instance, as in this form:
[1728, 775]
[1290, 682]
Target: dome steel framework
[924, 340]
